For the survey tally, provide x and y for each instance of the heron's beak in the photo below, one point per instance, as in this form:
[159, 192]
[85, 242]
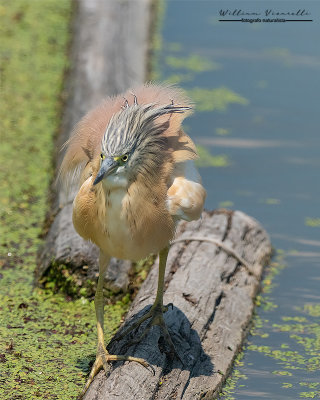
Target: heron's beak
[108, 165]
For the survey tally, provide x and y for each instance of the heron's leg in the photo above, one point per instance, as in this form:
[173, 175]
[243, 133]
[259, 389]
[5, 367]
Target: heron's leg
[103, 357]
[163, 255]
[155, 313]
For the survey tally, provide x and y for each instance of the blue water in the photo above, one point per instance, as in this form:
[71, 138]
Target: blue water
[273, 146]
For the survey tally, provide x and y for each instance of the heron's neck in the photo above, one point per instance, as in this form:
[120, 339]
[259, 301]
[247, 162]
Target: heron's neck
[115, 181]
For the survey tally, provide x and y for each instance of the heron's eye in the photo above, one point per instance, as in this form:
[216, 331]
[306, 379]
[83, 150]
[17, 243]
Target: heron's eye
[102, 156]
[124, 158]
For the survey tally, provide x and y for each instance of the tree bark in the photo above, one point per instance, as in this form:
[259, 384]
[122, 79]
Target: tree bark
[108, 56]
[213, 297]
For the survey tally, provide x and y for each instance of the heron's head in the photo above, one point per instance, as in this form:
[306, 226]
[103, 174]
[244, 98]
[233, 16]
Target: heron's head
[133, 143]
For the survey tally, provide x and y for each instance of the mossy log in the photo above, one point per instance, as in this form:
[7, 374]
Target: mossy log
[109, 54]
[212, 276]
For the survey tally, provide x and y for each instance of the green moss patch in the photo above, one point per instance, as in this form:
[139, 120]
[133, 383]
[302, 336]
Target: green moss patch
[59, 278]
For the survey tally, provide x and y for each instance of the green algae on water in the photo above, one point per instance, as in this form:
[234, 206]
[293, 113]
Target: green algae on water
[206, 159]
[297, 352]
[192, 63]
[158, 13]
[215, 99]
[226, 204]
[313, 222]
[178, 78]
[47, 341]
[222, 131]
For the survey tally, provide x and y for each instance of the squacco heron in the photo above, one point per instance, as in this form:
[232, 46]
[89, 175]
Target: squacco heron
[134, 167]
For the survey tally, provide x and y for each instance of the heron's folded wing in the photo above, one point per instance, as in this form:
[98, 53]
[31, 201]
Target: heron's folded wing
[186, 195]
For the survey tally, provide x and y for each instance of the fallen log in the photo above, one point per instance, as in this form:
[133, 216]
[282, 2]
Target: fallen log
[108, 56]
[212, 276]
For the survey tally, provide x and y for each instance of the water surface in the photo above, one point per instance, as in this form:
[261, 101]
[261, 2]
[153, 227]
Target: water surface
[262, 128]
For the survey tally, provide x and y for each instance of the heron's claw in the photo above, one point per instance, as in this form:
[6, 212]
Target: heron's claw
[155, 314]
[151, 313]
[97, 366]
[103, 359]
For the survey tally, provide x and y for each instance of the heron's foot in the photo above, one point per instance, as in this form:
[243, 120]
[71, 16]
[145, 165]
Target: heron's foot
[103, 359]
[155, 314]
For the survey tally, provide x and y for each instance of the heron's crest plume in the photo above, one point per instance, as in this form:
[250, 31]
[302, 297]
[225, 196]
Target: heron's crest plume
[135, 124]
[115, 127]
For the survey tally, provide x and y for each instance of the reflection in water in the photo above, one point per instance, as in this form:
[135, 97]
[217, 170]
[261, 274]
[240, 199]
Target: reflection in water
[297, 240]
[303, 161]
[279, 55]
[270, 73]
[246, 143]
